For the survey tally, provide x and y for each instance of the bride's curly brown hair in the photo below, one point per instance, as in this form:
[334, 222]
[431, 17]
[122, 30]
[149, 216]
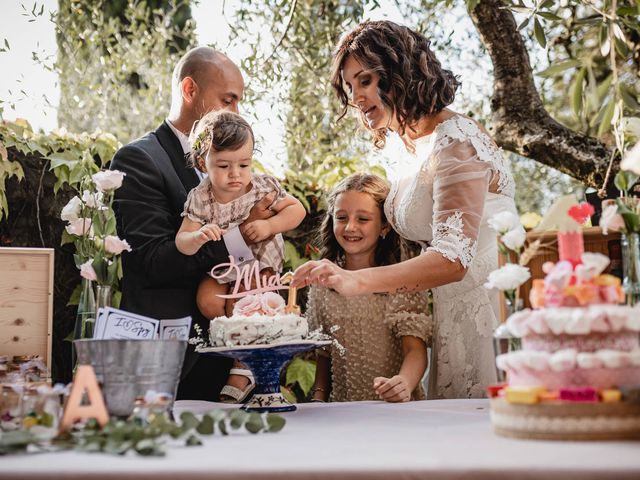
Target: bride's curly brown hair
[389, 248]
[412, 83]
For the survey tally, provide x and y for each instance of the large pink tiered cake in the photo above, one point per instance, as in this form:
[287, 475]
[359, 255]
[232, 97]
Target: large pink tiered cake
[577, 375]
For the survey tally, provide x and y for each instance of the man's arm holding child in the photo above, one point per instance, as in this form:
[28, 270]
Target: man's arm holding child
[289, 213]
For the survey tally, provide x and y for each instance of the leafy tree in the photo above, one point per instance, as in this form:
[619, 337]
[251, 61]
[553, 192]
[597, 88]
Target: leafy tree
[115, 59]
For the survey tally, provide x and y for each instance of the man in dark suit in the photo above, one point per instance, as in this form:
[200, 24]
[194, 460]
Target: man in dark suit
[159, 281]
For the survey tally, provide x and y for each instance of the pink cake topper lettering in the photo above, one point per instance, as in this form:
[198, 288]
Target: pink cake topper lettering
[244, 275]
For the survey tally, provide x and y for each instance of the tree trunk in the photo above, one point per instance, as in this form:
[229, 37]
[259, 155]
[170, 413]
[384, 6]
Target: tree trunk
[521, 123]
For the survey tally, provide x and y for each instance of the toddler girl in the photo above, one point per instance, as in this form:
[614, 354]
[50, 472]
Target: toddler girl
[385, 335]
[222, 146]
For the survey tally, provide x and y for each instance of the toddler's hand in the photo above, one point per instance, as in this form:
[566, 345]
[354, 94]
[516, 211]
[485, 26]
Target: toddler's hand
[394, 389]
[211, 231]
[258, 230]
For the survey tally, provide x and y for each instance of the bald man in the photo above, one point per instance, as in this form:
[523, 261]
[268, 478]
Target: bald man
[158, 280]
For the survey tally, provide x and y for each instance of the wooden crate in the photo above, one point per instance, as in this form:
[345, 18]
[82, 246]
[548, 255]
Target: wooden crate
[594, 241]
[26, 301]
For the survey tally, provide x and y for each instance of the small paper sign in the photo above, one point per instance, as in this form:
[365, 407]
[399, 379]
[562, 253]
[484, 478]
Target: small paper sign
[177, 329]
[118, 324]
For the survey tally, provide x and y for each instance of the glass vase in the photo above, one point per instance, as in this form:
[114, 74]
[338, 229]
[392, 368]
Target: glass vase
[631, 267]
[85, 316]
[503, 340]
[103, 297]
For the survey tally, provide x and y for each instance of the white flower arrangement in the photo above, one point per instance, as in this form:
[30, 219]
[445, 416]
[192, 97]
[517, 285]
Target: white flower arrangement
[511, 238]
[92, 227]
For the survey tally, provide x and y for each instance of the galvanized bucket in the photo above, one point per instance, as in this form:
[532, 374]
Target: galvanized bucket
[127, 369]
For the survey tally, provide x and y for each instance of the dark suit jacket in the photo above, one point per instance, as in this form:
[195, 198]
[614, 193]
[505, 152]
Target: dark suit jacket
[158, 280]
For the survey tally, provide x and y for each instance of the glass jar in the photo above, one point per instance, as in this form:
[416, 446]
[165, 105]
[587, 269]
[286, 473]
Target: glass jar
[631, 267]
[42, 407]
[11, 407]
[503, 340]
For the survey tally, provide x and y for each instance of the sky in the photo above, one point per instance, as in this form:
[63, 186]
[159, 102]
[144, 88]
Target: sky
[35, 93]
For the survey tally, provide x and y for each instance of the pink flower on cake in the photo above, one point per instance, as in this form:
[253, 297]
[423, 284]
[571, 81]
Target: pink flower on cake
[593, 264]
[113, 244]
[559, 276]
[247, 306]
[272, 303]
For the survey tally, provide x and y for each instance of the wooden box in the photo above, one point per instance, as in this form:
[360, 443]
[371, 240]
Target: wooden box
[594, 241]
[26, 301]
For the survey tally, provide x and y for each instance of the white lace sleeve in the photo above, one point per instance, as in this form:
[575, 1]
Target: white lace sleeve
[461, 182]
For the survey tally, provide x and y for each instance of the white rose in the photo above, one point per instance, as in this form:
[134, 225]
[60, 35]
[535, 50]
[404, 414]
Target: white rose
[514, 239]
[87, 271]
[610, 219]
[508, 277]
[71, 210]
[631, 160]
[108, 180]
[113, 244]
[79, 227]
[92, 199]
[504, 222]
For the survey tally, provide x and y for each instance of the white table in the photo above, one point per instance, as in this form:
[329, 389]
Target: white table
[360, 440]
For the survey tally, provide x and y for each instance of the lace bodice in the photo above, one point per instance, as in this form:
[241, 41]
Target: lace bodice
[441, 205]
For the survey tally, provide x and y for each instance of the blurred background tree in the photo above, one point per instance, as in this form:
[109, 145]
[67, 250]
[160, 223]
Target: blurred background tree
[115, 60]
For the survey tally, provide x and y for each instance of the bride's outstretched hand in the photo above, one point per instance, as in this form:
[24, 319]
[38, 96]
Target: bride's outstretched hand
[327, 274]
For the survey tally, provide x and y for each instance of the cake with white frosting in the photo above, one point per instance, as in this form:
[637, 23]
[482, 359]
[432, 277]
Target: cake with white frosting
[577, 374]
[257, 320]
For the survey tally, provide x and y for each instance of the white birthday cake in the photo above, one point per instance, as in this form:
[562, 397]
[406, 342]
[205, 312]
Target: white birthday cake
[258, 320]
[577, 374]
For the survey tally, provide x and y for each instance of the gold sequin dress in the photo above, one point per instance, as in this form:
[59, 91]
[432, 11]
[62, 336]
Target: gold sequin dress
[371, 327]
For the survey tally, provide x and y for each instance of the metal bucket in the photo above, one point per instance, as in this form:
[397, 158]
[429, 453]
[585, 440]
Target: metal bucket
[127, 369]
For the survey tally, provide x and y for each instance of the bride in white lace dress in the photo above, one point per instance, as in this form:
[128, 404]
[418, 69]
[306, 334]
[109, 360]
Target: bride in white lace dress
[459, 179]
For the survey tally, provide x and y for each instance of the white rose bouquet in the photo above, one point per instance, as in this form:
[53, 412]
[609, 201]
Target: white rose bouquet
[511, 238]
[92, 228]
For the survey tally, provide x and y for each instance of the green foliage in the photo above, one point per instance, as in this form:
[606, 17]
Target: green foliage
[590, 47]
[115, 60]
[301, 372]
[145, 438]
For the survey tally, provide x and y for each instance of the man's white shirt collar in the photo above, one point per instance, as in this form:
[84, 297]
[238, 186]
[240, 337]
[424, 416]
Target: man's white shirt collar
[184, 140]
[186, 146]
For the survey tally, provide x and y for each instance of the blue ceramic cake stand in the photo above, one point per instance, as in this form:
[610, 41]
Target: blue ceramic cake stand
[266, 362]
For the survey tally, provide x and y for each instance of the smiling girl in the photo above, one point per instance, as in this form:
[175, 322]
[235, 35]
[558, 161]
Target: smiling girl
[385, 335]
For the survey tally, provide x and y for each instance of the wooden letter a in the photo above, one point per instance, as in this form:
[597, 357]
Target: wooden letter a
[84, 380]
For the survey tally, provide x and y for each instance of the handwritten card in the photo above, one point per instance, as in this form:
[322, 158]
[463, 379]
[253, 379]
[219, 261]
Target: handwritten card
[177, 329]
[126, 325]
[113, 324]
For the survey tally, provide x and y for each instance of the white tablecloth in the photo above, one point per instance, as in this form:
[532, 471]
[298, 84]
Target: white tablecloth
[360, 440]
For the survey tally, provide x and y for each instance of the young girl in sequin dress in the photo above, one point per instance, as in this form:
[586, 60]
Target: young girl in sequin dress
[385, 336]
[222, 146]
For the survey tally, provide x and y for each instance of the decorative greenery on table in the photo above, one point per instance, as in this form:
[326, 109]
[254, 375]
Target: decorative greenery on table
[148, 439]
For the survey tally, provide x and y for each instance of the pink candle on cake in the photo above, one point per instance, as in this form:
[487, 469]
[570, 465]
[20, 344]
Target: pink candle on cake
[570, 243]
